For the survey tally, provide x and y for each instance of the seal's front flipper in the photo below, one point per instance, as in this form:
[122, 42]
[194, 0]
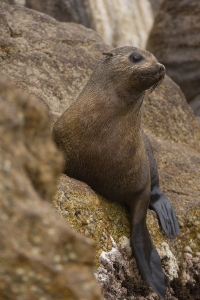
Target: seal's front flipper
[166, 214]
[158, 201]
[147, 258]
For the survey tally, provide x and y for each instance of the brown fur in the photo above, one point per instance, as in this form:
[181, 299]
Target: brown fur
[101, 137]
[102, 128]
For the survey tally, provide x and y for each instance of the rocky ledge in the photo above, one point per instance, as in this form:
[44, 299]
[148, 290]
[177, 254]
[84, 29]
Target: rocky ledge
[53, 61]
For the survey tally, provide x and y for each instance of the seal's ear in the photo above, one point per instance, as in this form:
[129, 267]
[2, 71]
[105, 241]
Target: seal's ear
[108, 54]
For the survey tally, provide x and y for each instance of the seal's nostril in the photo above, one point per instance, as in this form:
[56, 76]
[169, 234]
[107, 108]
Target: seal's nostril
[161, 68]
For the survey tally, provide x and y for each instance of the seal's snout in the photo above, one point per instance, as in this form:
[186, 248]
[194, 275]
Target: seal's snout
[161, 68]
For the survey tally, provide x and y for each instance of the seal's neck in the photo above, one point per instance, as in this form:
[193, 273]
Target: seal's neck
[107, 109]
[109, 103]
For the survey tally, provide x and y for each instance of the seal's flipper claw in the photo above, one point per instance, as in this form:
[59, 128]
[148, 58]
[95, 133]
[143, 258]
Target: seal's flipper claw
[148, 260]
[166, 214]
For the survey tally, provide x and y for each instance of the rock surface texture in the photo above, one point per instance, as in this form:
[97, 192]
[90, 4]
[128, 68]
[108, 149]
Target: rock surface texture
[175, 41]
[37, 52]
[53, 61]
[41, 257]
[62, 10]
[119, 23]
[155, 5]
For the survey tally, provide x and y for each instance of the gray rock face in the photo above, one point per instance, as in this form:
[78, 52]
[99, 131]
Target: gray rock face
[41, 257]
[175, 41]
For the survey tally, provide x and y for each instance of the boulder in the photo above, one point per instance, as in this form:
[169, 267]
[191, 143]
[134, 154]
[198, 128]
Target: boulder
[175, 41]
[36, 60]
[16, 2]
[155, 5]
[41, 257]
[121, 23]
[37, 52]
[118, 22]
[62, 10]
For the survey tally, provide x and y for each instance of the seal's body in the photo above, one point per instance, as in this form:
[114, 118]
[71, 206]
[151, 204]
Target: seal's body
[101, 137]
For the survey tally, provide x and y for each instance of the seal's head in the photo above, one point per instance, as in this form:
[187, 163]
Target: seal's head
[133, 69]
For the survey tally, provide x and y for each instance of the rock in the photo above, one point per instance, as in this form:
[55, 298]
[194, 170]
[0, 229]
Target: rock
[90, 214]
[175, 40]
[20, 128]
[123, 22]
[188, 249]
[118, 263]
[17, 2]
[167, 119]
[118, 23]
[169, 261]
[155, 5]
[37, 52]
[62, 10]
[191, 289]
[41, 257]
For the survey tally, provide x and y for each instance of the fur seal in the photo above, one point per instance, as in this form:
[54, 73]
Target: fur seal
[104, 145]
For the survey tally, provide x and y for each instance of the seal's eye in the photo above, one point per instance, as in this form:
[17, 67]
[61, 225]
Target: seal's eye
[135, 57]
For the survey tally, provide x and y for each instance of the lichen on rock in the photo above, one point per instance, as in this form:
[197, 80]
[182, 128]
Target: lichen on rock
[169, 261]
[118, 275]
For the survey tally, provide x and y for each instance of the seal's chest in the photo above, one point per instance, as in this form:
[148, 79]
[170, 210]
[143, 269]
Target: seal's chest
[112, 169]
